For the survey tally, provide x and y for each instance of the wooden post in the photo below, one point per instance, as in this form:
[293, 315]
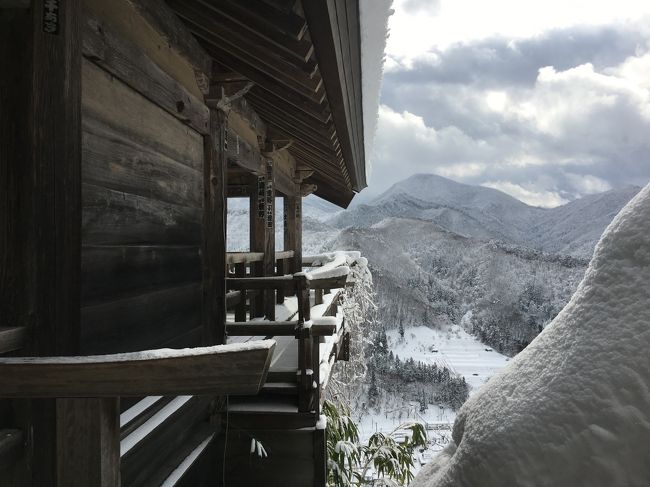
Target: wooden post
[214, 230]
[282, 267]
[40, 95]
[305, 345]
[88, 442]
[269, 240]
[257, 239]
[293, 230]
[240, 310]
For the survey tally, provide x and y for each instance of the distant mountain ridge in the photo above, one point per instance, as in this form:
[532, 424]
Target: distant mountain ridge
[489, 214]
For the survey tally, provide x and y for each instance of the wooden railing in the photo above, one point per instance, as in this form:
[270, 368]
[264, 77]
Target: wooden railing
[248, 264]
[308, 334]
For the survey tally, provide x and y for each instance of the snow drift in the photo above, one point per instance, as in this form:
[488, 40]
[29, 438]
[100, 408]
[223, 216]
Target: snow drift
[573, 408]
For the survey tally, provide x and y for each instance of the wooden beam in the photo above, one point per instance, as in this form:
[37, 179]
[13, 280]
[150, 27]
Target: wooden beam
[283, 88]
[244, 257]
[318, 120]
[284, 184]
[12, 338]
[221, 369]
[130, 64]
[248, 43]
[334, 61]
[249, 20]
[239, 190]
[270, 282]
[214, 230]
[278, 328]
[244, 155]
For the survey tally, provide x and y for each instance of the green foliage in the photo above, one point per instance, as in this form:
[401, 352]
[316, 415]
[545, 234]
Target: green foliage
[390, 455]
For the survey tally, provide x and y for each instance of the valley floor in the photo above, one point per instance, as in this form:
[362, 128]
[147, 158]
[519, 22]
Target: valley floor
[453, 348]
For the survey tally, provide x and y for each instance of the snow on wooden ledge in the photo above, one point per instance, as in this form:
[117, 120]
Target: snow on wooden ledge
[239, 368]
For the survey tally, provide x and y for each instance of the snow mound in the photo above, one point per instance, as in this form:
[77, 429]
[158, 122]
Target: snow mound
[573, 408]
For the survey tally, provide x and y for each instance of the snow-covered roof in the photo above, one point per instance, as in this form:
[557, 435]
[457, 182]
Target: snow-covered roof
[374, 16]
[574, 407]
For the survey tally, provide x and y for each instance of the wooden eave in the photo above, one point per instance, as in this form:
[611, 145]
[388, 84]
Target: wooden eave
[303, 59]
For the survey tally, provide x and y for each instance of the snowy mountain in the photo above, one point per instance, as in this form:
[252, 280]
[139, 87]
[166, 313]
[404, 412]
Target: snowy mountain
[488, 214]
[445, 253]
[426, 275]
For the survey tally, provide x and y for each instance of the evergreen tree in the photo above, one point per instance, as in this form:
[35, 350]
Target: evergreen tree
[373, 391]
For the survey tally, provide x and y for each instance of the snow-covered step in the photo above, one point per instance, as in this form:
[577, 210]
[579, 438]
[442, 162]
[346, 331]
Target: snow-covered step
[12, 443]
[286, 388]
[197, 446]
[12, 338]
[158, 434]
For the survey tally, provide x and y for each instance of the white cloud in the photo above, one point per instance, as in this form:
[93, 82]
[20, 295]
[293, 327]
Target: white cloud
[545, 199]
[415, 31]
[546, 120]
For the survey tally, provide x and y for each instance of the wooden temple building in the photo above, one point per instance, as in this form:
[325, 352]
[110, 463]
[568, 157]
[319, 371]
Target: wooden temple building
[134, 350]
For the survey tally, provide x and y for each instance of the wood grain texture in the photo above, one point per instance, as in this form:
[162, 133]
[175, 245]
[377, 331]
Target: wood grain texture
[125, 60]
[116, 218]
[111, 272]
[214, 230]
[115, 160]
[88, 442]
[168, 25]
[112, 101]
[199, 371]
[141, 322]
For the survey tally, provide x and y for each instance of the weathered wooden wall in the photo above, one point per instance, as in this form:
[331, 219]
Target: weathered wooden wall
[142, 193]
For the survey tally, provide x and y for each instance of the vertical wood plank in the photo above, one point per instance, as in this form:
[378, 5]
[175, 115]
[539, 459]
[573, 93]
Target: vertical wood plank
[214, 230]
[88, 442]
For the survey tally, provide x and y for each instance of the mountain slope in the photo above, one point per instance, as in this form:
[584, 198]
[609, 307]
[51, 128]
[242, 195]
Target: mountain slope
[488, 214]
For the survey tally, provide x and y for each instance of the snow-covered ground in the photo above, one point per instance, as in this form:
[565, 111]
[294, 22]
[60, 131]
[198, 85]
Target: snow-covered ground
[453, 348]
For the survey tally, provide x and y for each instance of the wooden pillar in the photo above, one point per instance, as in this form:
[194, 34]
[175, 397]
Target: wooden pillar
[215, 186]
[257, 239]
[240, 309]
[293, 230]
[88, 442]
[40, 95]
[263, 237]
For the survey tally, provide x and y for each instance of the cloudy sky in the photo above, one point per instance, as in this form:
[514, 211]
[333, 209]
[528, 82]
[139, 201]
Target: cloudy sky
[545, 100]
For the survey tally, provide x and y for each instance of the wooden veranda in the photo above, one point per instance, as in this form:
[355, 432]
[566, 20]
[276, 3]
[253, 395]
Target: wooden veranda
[134, 350]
